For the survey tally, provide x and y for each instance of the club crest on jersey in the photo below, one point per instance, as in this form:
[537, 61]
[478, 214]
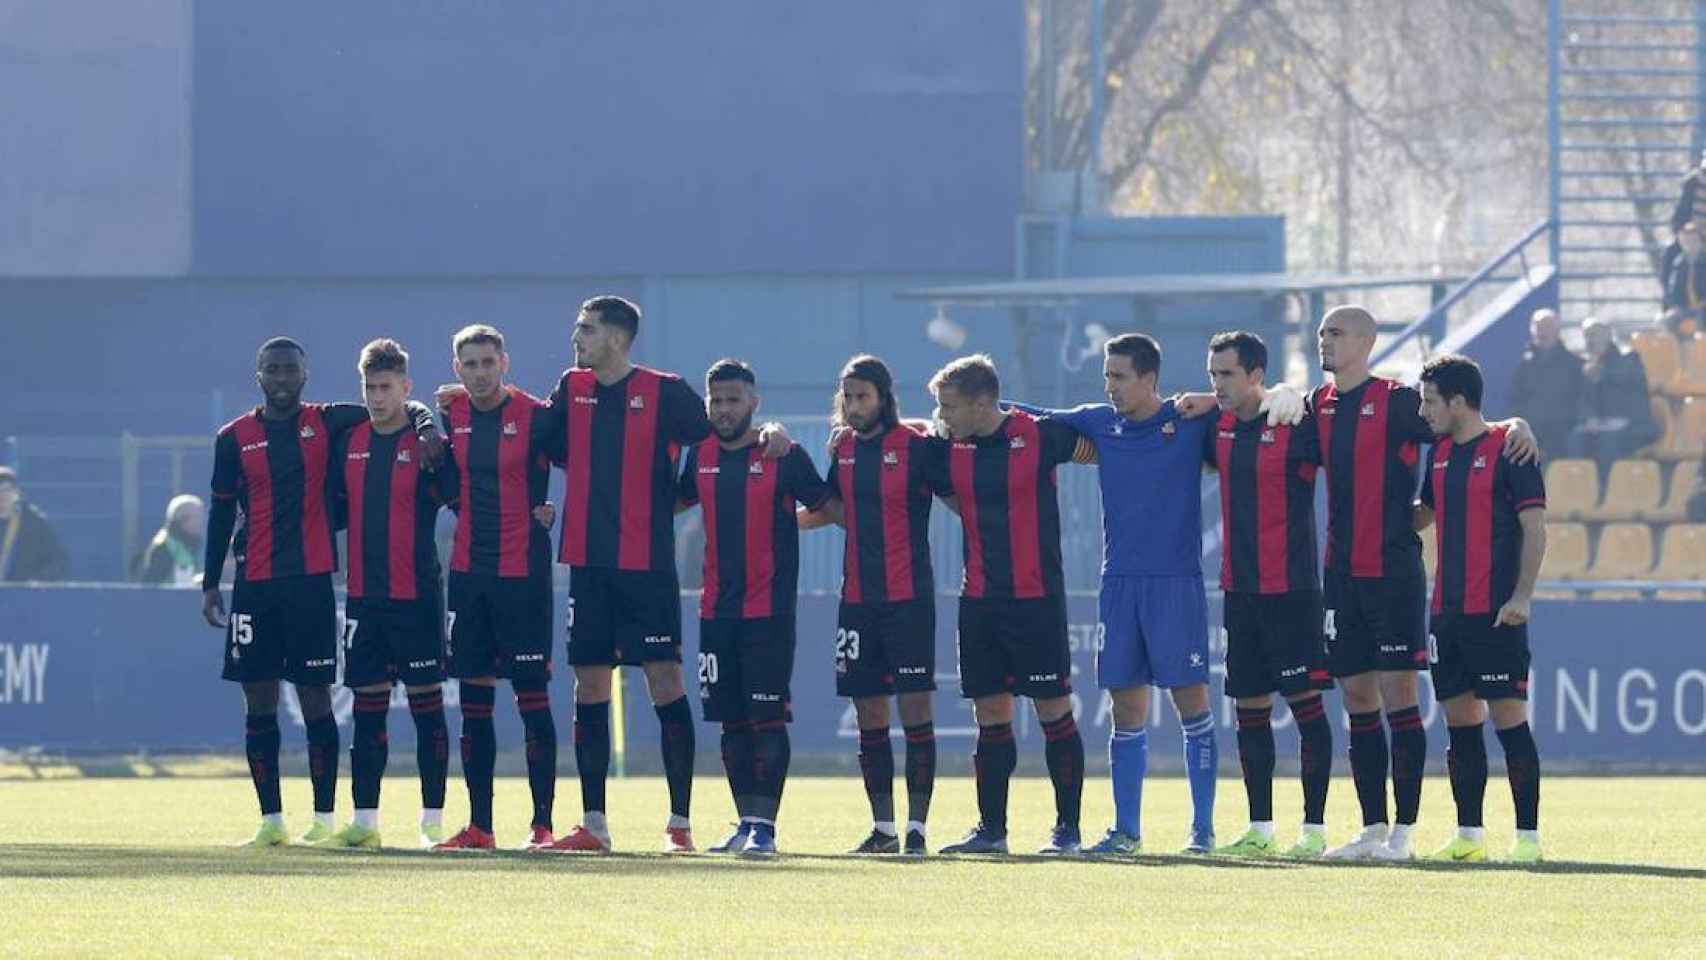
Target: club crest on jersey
[637, 403]
[756, 468]
[509, 428]
[1169, 429]
[403, 456]
[1118, 429]
[1017, 443]
[1479, 464]
[1267, 436]
[890, 458]
[307, 432]
[1368, 409]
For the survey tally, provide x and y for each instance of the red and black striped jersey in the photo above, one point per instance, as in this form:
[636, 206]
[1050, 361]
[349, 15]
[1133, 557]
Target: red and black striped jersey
[1009, 505]
[621, 444]
[393, 503]
[500, 459]
[1267, 503]
[278, 473]
[884, 487]
[1370, 439]
[1477, 497]
[752, 538]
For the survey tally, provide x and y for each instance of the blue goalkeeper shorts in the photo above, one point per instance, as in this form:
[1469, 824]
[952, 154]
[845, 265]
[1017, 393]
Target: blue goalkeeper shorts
[1153, 631]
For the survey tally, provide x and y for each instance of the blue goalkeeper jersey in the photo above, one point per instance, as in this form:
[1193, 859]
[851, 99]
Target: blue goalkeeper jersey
[1151, 476]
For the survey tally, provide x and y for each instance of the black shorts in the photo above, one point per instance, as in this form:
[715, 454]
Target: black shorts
[623, 617]
[884, 648]
[1375, 624]
[745, 667]
[500, 627]
[1014, 646]
[390, 640]
[1467, 654]
[1274, 644]
[285, 629]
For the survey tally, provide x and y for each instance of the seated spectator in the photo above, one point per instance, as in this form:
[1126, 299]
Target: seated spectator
[1616, 413]
[29, 549]
[1547, 384]
[1684, 210]
[173, 557]
[1684, 278]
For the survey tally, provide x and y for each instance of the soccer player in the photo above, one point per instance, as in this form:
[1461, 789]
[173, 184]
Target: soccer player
[1370, 430]
[885, 637]
[746, 612]
[500, 578]
[394, 617]
[1489, 517]
[1153, 627]
[1269, 572]
[273, 464]
[997, 472]
[621, 427]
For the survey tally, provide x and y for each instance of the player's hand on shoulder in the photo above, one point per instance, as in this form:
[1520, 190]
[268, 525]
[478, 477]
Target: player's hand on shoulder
[775, 440]
[1283, 405]
[448, 393]
[1521, 447]
[213, 607]
[1193, 405]
[432, 447]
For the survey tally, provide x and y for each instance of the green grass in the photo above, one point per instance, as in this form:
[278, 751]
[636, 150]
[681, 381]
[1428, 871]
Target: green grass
[143, 866]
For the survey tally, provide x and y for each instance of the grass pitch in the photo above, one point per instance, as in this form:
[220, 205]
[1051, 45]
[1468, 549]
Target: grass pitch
[143, 867]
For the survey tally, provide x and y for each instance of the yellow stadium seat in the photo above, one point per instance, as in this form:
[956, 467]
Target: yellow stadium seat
[1688, 433]
[1633, 487]
[1566, 552]
[1683, 478]
[1625, 552]
[1572, 488]
[1692, 378]
[1661, 355]
[1682, 553]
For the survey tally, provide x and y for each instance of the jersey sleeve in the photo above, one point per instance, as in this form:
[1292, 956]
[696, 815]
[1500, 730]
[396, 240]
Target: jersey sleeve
[1084, 419]
[550, 426]
[341, 418]
[1427, 494]
[227, 467]
[801, 479]
[684, 412]
[937, 477]
[1305, 440]
[1060, 440]
[1404, 408]
[1525, 485]
[687, 485]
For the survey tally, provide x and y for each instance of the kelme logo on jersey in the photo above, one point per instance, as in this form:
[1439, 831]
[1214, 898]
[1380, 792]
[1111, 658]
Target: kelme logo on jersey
[1228, 435]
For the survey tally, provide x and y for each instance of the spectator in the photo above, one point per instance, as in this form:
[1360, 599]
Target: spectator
[1684, 276]
[29, 549]
[173, 556]
[1616, 412]
[1684, 210]
[1547, 385]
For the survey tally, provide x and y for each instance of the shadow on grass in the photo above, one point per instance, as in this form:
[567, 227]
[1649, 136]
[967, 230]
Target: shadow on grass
[53, 861]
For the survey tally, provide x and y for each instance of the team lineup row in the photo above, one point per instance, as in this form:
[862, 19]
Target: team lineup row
[636, 446]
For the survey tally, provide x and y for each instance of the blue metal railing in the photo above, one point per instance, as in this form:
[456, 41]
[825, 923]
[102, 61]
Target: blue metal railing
[1432, 323]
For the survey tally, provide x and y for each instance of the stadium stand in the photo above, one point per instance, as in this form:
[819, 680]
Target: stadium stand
[1572, 489]
[1566, 552]
[1633, 487]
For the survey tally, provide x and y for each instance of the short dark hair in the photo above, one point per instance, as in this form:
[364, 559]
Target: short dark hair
[616, 312]
[384, 356]
[8, 476]
[476, 333]
[729, 368]
[279, 343]
[973, 376]
[1252, 352]
[1141, 348]
[874, 371]
[1455, 375]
